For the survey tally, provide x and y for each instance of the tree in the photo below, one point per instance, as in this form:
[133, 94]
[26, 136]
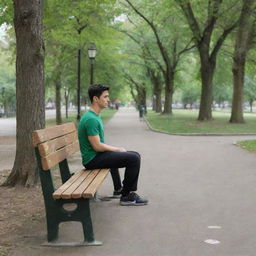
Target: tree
[156, 81]
[29, 89]
[153, 72]
[240, 52]
[56, 67]
[208, 49]
[141, 93]
[170, 55]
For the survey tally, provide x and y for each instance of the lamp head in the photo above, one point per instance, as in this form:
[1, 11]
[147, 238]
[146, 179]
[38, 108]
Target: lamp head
[92, 51]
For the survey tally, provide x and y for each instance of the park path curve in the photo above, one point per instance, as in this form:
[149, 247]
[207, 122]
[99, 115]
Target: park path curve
[191, 183]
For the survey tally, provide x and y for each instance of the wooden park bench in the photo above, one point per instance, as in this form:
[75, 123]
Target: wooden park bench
[53, 146]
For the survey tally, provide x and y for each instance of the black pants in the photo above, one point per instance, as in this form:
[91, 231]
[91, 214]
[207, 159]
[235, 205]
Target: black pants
[114, 160]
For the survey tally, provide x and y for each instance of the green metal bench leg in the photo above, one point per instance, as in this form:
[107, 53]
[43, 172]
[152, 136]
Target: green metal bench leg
[87, 225]
[52, 230]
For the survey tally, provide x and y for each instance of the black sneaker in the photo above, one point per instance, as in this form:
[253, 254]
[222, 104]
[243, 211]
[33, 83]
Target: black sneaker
[117, 193]
[132, 199]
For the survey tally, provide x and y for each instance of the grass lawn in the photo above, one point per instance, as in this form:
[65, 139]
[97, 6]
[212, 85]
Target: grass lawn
[249, 145]
[106, 114]
[185, 121]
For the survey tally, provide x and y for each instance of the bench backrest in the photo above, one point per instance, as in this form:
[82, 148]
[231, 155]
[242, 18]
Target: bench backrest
[53, 146]
[56, 143]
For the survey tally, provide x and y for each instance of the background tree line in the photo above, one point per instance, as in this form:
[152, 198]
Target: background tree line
[203, 33]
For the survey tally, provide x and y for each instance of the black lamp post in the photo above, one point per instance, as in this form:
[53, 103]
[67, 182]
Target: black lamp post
[92, 54]
[78, 83]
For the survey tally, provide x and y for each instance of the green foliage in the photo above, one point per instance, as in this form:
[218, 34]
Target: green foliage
[223, 79]
[222, 93]
[6, 12]
[190, 95]
[7, 80]
[250, 88]
[187, 79]
[70, 26]
[152, 45]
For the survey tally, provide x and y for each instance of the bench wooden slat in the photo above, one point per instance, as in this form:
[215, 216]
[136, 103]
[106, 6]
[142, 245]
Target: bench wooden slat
[58, 156]
[81, 181]
[78, 193]
[68, 183]
[50, 133]
[91, 190]
[51, 146]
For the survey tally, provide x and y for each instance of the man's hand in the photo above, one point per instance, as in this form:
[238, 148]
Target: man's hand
[121, 150]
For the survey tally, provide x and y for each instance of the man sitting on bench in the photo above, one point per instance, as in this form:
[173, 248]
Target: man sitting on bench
[98, 155]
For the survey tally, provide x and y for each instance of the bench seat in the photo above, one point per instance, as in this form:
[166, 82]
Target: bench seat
[83, 184]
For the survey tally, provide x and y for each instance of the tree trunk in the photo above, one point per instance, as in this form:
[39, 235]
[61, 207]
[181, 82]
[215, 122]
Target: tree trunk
[241, 47]
[237, 100]
[158, 101]
[169, 84]
[143, 98]
[157, 91]
[202, 35]
[141, 95]
[133, 94]
[251, 103]
[155, 77]
[29, 89]
[207, 71]
[58, 100]
[154, 103]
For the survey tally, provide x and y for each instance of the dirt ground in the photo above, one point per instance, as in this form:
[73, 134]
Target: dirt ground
[22, 210]
[21, 215]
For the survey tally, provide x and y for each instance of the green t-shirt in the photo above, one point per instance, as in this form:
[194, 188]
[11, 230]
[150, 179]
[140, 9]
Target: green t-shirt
[89, 125]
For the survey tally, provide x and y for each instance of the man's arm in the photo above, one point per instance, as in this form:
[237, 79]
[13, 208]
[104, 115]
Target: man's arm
[101, 147]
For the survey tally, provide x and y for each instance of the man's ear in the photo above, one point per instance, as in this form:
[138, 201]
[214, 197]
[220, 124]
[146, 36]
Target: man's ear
[95, 99]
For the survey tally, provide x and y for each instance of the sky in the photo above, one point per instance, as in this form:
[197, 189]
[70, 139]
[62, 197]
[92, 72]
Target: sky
[2, 31]
[3, 40]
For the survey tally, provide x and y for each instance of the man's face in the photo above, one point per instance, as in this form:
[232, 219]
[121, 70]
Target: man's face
[103, 100]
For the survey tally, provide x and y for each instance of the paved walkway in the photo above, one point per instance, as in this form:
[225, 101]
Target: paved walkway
[192, 183]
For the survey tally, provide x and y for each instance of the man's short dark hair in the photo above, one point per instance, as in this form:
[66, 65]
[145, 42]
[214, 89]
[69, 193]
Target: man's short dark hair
[96, 90]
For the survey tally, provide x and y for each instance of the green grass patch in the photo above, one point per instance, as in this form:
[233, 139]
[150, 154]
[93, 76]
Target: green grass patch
[4, 251]
[249, 145]
[106, 114]
[185, 121]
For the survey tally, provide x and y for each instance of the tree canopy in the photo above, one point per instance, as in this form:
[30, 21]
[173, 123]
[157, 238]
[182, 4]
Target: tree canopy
[160, 44]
